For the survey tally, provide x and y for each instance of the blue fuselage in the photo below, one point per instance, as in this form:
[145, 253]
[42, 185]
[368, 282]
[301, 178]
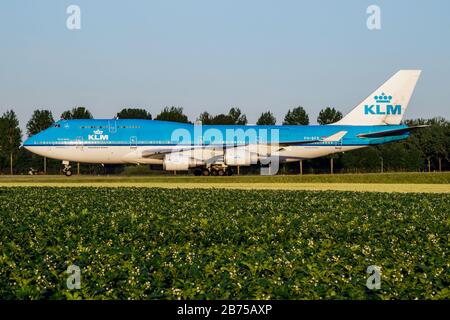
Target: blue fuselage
[123, 132]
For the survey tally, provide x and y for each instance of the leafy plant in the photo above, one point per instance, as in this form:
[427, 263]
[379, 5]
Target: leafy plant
[139, 243]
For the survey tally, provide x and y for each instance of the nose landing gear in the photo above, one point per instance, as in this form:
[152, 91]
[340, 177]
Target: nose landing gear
[66, 169]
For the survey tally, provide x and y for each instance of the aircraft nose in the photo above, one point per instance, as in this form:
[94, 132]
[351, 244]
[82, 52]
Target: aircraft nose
[34, 144]
[30, 141]
[34, 140]
[27, 143]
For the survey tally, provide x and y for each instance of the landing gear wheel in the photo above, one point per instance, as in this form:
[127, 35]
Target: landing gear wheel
[221, 173]
[205, 172]
[214, 172]
[229, 172]
[66, 169]
[197, 172]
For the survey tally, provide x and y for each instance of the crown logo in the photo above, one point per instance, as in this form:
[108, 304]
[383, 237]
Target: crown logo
[383, 98]
[98, 132]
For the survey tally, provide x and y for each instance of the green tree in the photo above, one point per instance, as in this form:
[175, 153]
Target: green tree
[174, 114]
[266, 118]
[446, 143]
[362, 160]
[222, 119]
[297, 116]
[11, 136]
[134, 113]
[234, 116]
[76, 113]
[237, 117]
[40, 120]
[399, 157]
[441, 136]
[329, 115]
[205, 118]
[424, 140]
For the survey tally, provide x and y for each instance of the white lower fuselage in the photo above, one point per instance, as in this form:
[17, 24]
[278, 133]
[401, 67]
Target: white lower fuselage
[133, 154]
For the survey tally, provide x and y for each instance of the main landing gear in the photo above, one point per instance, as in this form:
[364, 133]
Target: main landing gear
[66, 169]
[213, 172]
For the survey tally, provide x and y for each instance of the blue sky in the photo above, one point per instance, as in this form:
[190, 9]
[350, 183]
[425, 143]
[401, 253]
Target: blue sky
[211, 55]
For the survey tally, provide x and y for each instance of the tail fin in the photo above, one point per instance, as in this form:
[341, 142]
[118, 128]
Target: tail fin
[387, 104]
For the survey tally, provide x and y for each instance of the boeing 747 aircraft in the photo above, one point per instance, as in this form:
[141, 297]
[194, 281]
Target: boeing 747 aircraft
[216, 149]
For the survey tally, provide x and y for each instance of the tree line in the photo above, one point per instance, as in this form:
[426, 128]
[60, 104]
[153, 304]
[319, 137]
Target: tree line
[426, 150]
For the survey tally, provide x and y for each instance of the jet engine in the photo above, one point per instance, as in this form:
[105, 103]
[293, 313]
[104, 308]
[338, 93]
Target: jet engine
[179, 162]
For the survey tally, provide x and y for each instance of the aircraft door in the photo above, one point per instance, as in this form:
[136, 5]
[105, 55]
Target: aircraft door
[133, 142]
[79, 143]
[112, 126]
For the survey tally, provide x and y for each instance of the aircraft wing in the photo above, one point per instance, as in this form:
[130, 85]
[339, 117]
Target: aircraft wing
[159, 154]
[390, 133]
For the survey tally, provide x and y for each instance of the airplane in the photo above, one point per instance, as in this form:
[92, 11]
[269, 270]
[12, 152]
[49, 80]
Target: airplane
[217, 149]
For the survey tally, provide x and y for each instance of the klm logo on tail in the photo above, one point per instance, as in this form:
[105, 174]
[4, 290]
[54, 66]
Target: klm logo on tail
[383, 106]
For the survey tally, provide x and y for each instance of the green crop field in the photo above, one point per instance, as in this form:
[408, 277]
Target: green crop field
[379, 178]
[143, 243]
[386, 182]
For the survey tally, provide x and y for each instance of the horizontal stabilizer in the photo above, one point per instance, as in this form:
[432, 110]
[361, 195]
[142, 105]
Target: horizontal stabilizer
[390, 133]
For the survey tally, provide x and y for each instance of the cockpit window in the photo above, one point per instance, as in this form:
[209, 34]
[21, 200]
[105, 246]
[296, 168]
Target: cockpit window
[57, 125]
